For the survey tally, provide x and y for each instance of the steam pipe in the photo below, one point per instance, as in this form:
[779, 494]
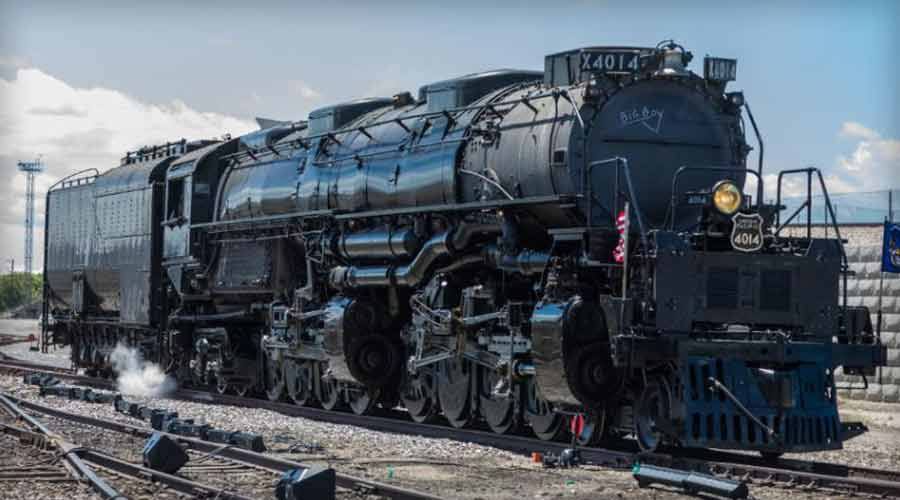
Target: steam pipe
[197, 318]
[465, 233]
[378, 244]
[413, 273]
[525, 262]
[410, 275]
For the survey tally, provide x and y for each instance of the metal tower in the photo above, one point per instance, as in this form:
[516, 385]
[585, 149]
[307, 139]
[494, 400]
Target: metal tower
[31, 168]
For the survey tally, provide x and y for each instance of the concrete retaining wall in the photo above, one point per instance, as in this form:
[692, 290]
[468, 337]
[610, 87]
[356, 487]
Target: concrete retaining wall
[863, 249]
[863, 289]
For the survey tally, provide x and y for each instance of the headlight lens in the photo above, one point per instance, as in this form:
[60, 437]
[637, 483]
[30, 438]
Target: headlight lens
[727, 197]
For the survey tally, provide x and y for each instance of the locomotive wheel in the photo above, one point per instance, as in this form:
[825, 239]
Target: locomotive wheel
[594, 430]
[417, 397]
[274, 380]
[592, 376]
[199, 379]
[330, 394]
[374, 359]
[222, 387]
[240, 389]
[297, 376]
[498, 411]
[453, 391]
[654, 404]
[360, 399]
[542, 417]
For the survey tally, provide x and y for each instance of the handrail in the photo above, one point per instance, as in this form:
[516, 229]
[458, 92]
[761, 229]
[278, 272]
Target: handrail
[673, 207]
[808, 204]
[788, 221]
[71, 176]
[762, 149]
[306, 142]
[588, 191]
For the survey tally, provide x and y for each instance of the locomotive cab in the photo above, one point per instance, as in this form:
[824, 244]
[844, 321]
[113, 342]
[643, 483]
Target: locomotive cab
[190, 186]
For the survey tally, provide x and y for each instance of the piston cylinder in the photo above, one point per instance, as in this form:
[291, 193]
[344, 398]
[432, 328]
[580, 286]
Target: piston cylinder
[379, 244]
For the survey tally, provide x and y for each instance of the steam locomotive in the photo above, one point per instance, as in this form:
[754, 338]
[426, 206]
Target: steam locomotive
[507, 247]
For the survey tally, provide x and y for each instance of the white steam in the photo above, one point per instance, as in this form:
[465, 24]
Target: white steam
[136, 377]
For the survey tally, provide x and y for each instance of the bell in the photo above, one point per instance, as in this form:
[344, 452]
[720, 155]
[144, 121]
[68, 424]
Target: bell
[672, 64]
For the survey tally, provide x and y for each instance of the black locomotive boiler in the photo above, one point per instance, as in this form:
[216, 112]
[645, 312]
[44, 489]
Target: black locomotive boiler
[507, 247]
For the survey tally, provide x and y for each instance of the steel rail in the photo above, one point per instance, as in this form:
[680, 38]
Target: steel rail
[238, 455]
[179, 484]
[129, 469]
[811, 474]
[80, 468]
[797, 471]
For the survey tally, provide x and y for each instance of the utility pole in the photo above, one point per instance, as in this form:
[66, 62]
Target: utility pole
[31, 168]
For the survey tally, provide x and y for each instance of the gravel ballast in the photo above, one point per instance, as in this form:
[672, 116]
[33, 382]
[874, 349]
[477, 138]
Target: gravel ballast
[440, 466]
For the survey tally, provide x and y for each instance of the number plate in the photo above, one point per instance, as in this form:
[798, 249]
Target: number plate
[610, 62]
[746, 233]
[719, 69]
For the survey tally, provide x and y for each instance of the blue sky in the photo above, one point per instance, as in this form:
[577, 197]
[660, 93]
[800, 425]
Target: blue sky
[821, 77]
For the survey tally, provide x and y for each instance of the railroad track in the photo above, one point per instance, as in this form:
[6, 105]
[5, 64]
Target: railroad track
[29, 469]
[78, 459]
[235, 456]
[810, 475]
[13, 339]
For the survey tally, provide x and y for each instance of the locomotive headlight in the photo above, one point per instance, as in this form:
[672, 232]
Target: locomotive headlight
[727, 197]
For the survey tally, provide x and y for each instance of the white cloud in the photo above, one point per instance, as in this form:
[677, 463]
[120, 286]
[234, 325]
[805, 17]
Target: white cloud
[874, 163]
[303, 90]
[856, 130]
[78, 128]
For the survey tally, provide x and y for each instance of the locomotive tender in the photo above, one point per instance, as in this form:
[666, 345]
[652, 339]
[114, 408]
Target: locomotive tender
[508, 247]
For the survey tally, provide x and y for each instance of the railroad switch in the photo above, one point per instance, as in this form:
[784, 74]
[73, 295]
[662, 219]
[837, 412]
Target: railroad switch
[163, 454]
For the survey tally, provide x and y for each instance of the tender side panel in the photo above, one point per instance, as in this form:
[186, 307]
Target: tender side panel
[121, 263]
[70, 227]
[120, 268]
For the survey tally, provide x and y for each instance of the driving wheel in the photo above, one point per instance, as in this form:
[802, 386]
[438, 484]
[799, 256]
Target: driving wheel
[274, 378]
[453, 391]
[653, 406]
[498, 410]
[297, 379]
[360, 399]
[329, 393]
[541, 415]
[417, 396]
